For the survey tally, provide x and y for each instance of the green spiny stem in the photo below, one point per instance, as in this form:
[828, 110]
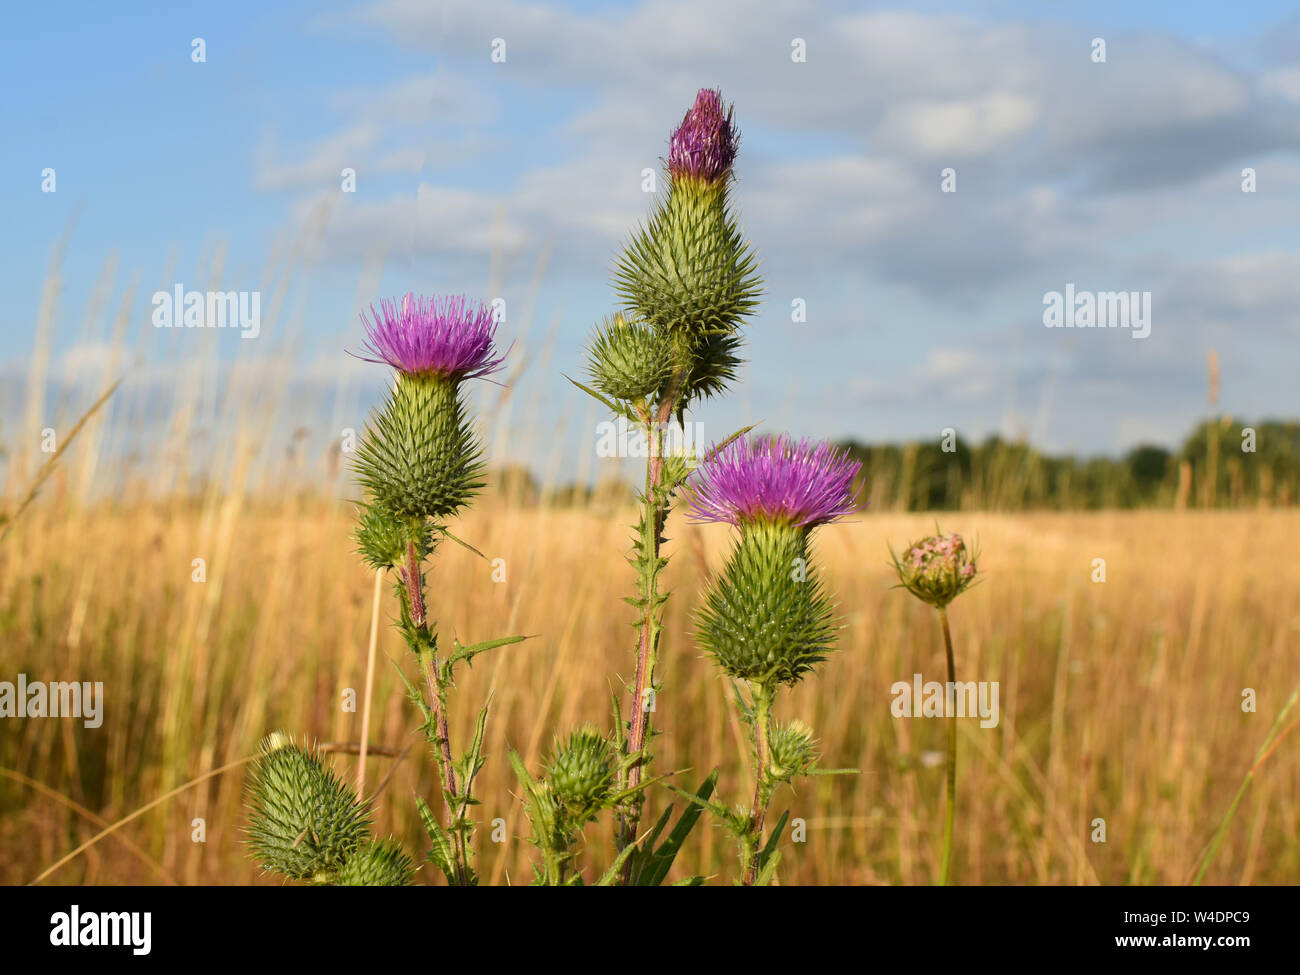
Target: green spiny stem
[951, 812]
[753, 844]
[653, 517]
[437, 702]
[414, 586]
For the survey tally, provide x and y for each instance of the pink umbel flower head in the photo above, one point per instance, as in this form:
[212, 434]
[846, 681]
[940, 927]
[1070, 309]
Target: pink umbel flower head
[704, 146]
[936, 569]
[447, 336]
[773, 480]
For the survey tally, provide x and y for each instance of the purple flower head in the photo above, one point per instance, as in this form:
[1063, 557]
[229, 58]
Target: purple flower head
[773, 479]
[704, 146]
[420, 335]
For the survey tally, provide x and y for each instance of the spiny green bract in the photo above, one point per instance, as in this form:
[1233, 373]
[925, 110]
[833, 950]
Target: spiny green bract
[303, 822]
[766, 619]
[382, 863]
[714, 358]
[420, 457]
[689, 267]
[792, 750]
[382, 538]
[581, 771]
[628, 360]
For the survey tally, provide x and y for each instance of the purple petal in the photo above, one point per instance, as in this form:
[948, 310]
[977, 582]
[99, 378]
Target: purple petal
[704, 146]
[773, 479]
[448, 336]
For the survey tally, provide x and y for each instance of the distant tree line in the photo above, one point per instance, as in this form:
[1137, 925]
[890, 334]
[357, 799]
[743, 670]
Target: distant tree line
[1221, 463]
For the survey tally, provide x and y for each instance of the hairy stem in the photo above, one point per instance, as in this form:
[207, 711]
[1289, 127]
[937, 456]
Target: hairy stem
[437, 705]
[951, 812]
[762, 788]
[654, 515]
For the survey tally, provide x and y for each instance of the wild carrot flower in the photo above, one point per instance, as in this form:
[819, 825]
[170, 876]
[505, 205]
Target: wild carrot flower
[936, 569]
[704, 146]
[419, 335]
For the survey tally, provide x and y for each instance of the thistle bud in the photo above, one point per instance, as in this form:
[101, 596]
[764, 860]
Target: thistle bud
[420, 458]
[690, 268]
[381, 863]
[628, 360]
[304, 822]
[763, 620]
[581, 771]
[792, 751]
[936, 569]
[382, 538]
[703, 148]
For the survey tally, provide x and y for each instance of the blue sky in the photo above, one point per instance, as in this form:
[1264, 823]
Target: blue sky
[924, 308]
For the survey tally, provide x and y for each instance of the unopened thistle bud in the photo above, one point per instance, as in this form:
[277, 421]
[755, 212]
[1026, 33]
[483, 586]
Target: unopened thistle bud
[690, 269]
[792, 751]
[766, 618]
[304, 822]
[381, 863]
[581, 771]
[936, 569]
[703, 148]
[420, 457]
[628, 360]
[382, 538]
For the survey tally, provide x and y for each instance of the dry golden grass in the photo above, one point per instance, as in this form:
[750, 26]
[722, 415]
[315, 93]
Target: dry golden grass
[1120, 700]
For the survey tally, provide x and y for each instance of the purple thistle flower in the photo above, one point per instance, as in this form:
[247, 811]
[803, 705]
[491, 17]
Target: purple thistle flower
[704, 146]
[773, 479]
[450, 337]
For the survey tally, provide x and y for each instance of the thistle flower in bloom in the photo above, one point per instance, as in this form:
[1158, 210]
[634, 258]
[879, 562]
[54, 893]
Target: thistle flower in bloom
[450, 337]
[420, 457]
[936, 569]
[704, 146]
[773, 479]
[766, 619]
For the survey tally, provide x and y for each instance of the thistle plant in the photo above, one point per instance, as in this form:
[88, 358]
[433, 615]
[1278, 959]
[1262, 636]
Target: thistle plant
[580, 781]
[688, 280]
[420, 463]
[936, 570]
[766, 619]
[306, 824]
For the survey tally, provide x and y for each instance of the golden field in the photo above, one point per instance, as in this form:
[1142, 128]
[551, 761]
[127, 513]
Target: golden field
[1119, 700]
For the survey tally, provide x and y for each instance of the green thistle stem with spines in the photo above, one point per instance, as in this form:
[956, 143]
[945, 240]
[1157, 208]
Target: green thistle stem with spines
[654, 514]
[753, 843]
